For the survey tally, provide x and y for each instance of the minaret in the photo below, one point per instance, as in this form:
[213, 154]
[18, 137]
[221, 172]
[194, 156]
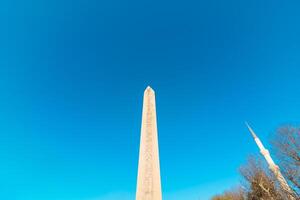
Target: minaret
[148, 181]
[272, 166]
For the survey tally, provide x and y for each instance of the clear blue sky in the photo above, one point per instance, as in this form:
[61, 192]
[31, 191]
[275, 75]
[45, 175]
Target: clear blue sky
[72, 76]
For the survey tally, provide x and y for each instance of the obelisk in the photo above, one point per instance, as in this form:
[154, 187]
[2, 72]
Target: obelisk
[148, 181]
[272, 166]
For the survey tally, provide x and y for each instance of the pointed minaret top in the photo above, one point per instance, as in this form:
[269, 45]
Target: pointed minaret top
[251, 131]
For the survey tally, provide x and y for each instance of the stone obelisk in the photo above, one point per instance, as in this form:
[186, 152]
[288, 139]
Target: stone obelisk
[272, 166]
[148, 181]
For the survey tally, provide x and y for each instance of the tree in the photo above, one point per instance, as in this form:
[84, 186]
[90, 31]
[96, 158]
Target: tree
[286, 144]
[259, 183]
[236, 194]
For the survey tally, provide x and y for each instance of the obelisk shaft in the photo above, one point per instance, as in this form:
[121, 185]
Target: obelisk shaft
[148, 182]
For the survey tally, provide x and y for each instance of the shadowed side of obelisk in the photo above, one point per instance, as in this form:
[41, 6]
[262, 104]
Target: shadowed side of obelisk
[148, 182]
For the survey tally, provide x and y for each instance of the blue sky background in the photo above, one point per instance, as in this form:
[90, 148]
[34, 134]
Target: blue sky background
[72, 76]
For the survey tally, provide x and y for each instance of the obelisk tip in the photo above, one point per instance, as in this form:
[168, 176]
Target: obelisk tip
[149, 89]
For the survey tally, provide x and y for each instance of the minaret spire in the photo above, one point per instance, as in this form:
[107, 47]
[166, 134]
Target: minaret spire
[272, 166]
[251, 131]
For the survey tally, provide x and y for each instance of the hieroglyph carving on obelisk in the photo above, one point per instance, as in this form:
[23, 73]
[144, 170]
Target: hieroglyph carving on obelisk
[148, 181]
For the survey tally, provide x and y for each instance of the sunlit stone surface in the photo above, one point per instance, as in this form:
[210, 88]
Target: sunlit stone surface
[148, 182]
